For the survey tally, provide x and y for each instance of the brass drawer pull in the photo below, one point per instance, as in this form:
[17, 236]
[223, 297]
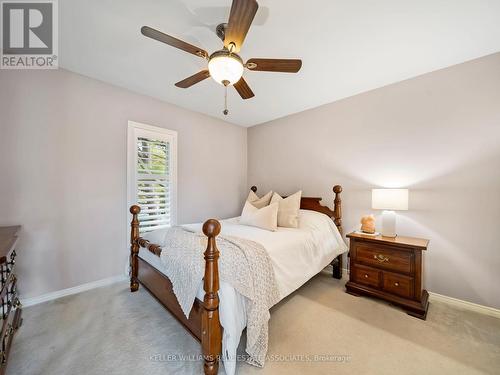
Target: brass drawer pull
[366, 276]
[381, 258]
[396, 284]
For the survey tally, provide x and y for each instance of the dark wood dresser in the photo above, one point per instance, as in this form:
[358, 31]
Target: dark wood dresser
[390, 269]
[11, 307]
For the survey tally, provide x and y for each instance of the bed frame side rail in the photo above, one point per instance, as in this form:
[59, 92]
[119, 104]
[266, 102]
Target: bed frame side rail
[211, 329]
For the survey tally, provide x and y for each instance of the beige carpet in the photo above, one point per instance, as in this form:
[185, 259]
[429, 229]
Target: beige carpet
[111, 331]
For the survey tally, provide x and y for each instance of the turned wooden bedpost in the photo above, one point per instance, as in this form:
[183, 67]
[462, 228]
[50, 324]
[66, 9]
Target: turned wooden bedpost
[337, 218]
[134, 248]
[337, 207]
[211, 335]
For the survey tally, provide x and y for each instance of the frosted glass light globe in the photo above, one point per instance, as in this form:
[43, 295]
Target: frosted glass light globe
[225, 67]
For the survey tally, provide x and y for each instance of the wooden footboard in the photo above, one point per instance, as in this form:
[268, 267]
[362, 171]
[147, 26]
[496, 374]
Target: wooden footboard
[203, 322]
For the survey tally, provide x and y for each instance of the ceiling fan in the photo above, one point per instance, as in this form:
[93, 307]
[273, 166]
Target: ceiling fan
[225, 66]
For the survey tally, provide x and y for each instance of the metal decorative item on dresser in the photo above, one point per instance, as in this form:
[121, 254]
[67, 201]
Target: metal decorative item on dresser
[11, 307]
[203, 322]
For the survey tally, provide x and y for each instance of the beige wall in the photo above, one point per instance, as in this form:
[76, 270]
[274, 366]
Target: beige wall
[63, 172]
[438, 134]
[63, 165]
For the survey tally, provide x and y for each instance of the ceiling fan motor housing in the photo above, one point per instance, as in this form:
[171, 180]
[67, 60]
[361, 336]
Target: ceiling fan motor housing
[220, 30]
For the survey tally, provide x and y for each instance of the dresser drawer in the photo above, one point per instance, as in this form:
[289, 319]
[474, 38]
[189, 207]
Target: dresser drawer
[367, 276]
[397, 284]
[384, 257]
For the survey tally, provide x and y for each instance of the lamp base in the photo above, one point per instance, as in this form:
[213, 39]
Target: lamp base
[388, 224]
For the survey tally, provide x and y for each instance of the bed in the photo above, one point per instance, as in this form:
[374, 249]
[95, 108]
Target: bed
[217, 317]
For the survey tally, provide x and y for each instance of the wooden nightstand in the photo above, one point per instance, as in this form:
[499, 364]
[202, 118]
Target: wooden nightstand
[390, 269]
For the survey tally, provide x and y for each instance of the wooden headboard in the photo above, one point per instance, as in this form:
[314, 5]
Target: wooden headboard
[313, 204]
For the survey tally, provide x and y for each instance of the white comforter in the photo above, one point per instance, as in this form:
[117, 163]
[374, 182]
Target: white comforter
[296, 255]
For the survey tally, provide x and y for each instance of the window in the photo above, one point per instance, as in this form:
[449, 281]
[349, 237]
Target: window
[152, 177]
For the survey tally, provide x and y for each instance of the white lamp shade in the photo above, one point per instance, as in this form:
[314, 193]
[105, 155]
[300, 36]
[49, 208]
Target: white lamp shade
[390, 199]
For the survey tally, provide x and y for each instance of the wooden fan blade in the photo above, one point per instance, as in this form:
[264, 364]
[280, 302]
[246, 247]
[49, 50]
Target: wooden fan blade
[195, 78]
[275, 65]
[174, 42]
[243, 89]
[240, 19]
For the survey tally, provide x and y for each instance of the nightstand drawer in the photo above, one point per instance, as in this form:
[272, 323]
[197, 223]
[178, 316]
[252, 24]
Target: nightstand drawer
[397, 284]
[367, 276]
[384, 257]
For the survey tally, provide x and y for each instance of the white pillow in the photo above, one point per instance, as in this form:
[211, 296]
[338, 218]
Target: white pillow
[264, 218]
[288, 212]
[259, 202]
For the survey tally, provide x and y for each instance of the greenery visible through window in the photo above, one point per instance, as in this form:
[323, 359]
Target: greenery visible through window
[153, 183]
[152, 156]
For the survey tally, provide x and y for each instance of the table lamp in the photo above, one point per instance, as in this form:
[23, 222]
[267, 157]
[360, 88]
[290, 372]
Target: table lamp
[389, 200]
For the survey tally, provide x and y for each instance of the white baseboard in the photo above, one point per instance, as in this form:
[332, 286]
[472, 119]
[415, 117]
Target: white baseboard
[74, 290]
[491, 311]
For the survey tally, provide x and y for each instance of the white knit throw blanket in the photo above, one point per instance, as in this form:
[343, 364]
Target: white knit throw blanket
[243, 264]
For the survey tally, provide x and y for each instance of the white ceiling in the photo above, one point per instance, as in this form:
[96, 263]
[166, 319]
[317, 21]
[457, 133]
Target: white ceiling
[347, 47]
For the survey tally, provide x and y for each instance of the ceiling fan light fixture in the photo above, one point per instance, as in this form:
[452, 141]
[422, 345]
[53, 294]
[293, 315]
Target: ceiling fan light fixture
[225, 66]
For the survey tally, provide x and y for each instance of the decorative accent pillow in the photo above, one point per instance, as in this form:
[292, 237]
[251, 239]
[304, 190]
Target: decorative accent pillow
[288, 212]
[264, 218]
[259, 202]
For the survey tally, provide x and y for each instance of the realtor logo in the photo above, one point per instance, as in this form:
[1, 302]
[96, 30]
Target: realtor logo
[29, 34]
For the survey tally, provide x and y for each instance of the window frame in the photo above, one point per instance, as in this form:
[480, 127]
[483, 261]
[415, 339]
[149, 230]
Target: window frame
[136, 130]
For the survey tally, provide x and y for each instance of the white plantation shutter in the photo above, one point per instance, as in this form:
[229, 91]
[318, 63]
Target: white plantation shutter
[152, 175]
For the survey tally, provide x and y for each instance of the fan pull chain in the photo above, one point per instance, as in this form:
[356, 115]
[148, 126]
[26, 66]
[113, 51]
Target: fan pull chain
[225, 111]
